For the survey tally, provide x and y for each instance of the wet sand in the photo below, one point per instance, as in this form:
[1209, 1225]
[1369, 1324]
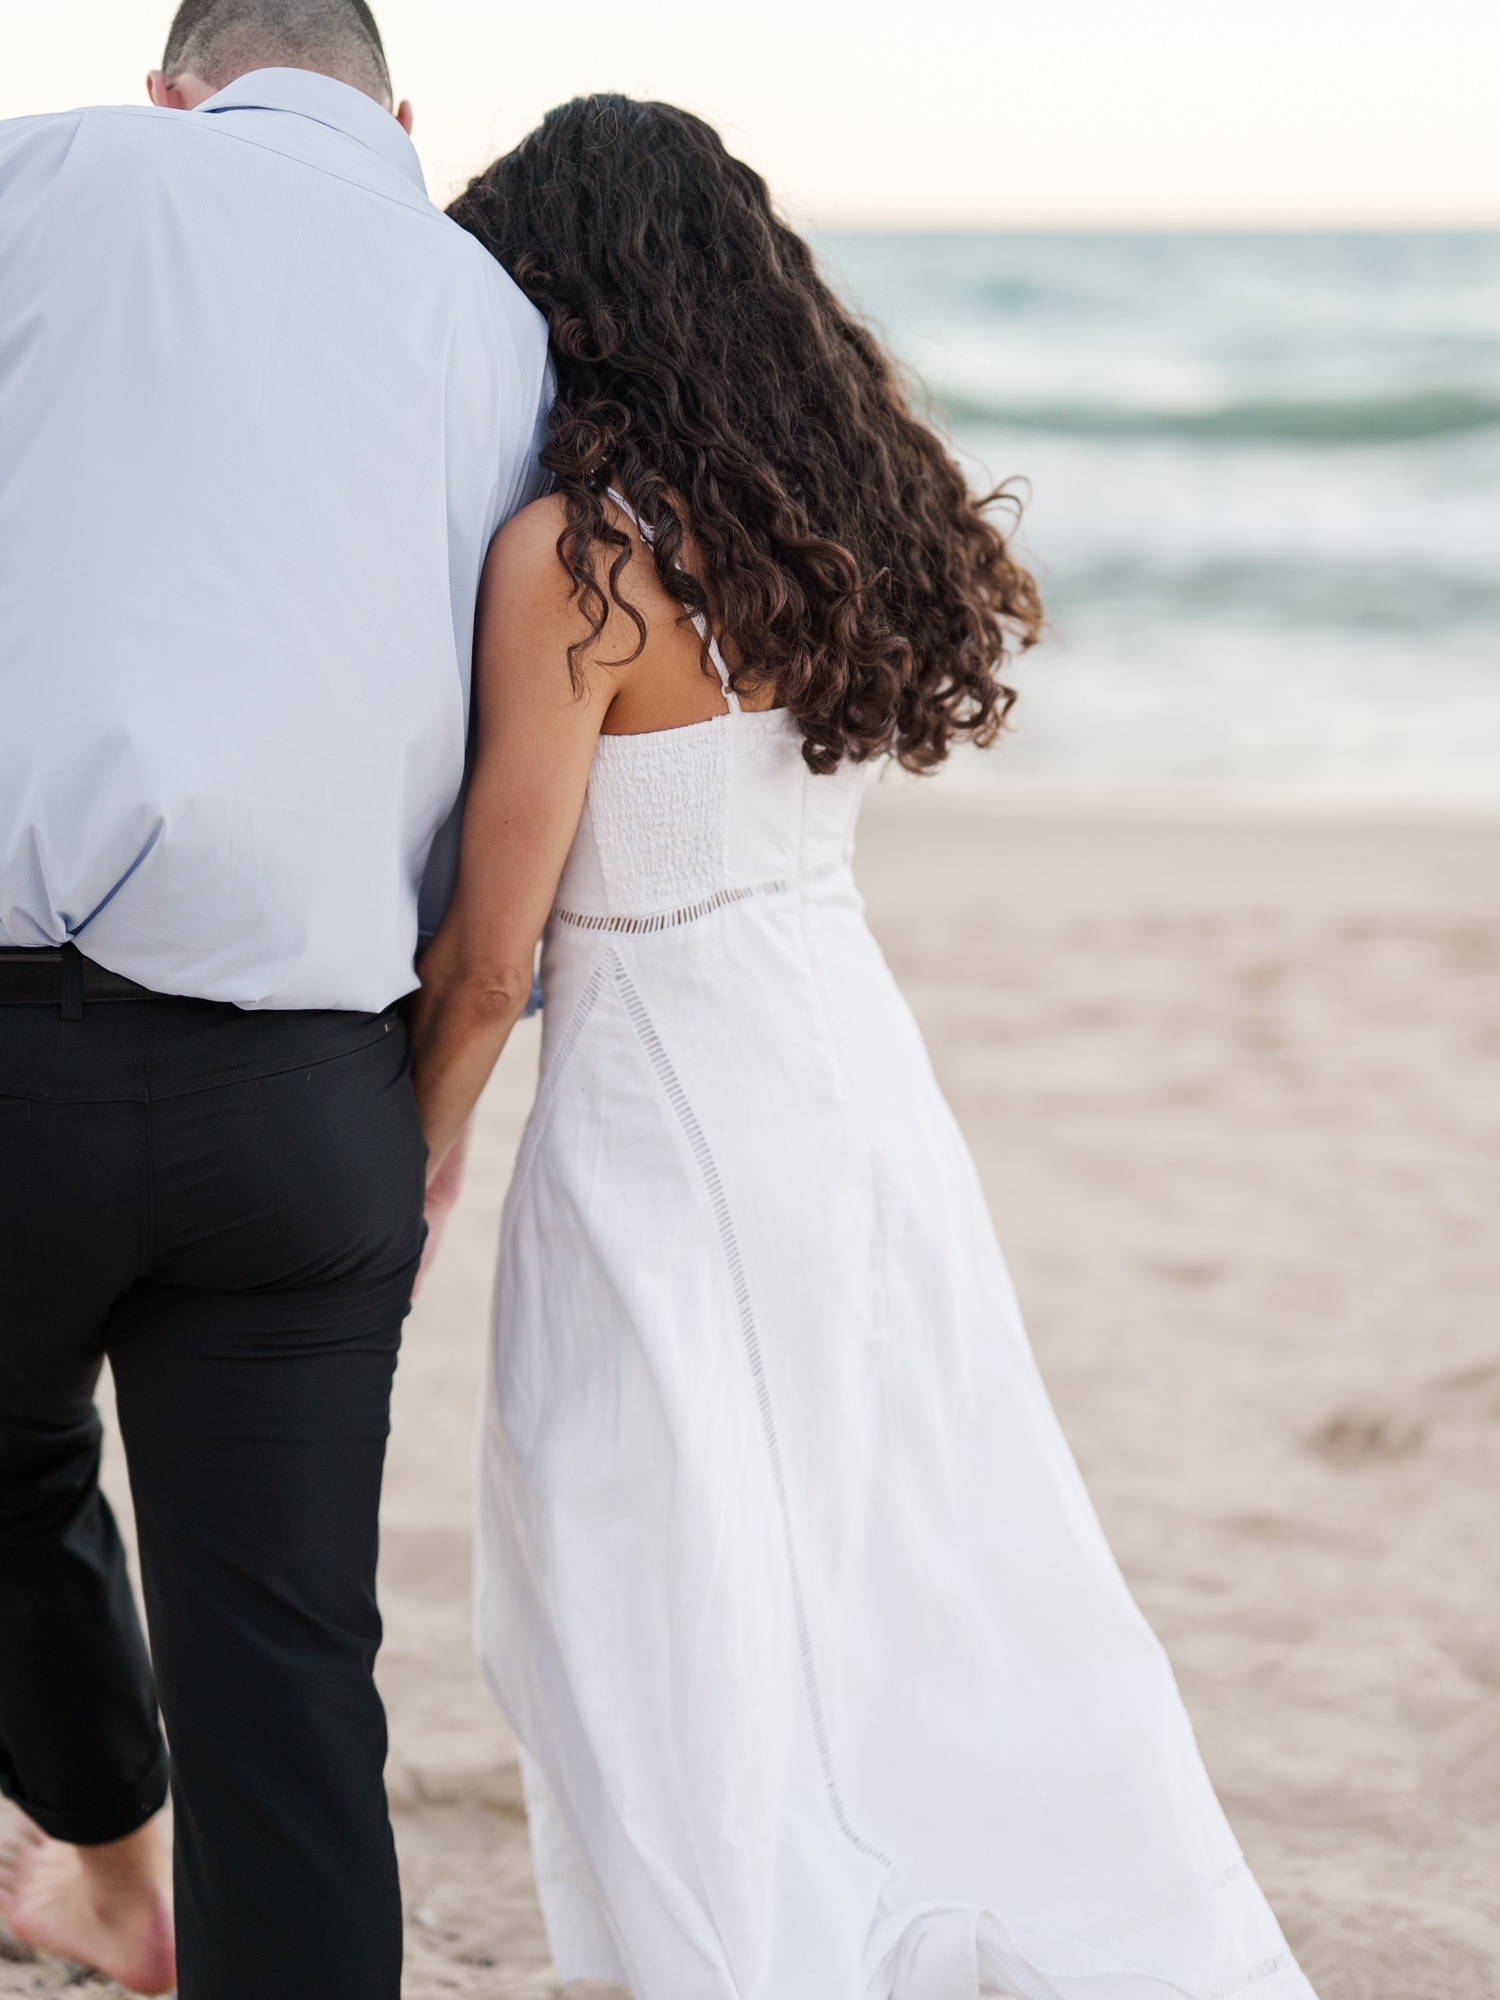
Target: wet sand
[1234, 1091]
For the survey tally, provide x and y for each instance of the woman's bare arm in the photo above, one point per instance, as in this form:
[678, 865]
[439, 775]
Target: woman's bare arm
[535, 741]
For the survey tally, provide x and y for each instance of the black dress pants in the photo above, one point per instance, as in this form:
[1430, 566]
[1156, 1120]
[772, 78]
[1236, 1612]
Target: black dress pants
[228, 1205]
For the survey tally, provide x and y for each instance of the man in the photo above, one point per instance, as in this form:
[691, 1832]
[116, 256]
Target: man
[263, 408]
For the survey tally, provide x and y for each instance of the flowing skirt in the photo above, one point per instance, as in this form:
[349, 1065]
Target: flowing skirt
[828, 1685]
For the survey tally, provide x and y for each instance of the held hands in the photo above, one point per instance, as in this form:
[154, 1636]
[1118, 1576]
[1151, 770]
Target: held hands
[442, 1192]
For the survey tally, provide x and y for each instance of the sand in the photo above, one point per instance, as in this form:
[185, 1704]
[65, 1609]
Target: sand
[1234, 1091]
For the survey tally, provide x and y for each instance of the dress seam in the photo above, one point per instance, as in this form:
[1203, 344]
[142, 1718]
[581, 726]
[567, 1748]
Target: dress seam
[547, 1087]
[750, 1336]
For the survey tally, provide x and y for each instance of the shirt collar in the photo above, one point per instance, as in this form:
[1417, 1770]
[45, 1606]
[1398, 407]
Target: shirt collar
[308, 94]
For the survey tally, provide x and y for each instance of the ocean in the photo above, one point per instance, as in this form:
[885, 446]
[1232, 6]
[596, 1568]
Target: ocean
[1262, 486]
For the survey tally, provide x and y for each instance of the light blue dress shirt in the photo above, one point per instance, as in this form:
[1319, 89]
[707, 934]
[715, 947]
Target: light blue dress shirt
[262, 407]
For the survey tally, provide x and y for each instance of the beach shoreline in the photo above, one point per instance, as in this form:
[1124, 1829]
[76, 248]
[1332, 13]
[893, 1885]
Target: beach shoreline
[1233, 1087]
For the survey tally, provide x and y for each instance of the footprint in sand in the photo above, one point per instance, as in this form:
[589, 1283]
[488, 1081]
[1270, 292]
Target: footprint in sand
[1371, 1435]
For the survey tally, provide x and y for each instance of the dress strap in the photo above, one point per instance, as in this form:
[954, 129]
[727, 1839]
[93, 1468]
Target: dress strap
[630, 514]
[730, 697]
[717, 657]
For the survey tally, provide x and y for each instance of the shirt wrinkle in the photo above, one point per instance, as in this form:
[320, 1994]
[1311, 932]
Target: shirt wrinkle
[235, 676]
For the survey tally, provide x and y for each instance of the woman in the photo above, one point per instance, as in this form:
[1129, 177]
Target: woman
[828, 1685]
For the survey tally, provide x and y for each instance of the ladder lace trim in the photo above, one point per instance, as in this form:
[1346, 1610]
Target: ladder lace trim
[1171, 1906]
[666, 920]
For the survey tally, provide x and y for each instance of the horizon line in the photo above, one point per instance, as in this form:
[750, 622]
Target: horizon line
[844, 223]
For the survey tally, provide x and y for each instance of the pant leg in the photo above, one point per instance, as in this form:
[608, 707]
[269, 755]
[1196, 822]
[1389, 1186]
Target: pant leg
[80, 1748]
[253, 1373]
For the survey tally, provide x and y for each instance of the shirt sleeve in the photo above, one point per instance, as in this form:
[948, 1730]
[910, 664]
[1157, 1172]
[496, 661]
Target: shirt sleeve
[33, 152]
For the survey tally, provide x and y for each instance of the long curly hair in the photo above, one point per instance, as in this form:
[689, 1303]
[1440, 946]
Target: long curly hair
[703, 365]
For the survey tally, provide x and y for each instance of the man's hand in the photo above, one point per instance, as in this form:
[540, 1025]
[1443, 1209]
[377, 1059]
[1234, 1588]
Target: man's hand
[442, 1192]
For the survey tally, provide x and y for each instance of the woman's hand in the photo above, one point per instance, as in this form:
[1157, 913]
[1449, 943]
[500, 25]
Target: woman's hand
[442, 1192]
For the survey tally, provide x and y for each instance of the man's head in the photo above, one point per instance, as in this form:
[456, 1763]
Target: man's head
[211, 42]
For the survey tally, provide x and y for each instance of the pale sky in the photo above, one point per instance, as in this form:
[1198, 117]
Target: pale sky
[962, 113]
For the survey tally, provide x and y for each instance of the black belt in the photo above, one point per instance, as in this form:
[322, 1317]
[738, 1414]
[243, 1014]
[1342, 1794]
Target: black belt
[59, 976]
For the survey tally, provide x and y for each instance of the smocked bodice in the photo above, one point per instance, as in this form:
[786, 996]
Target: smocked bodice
[684, 820]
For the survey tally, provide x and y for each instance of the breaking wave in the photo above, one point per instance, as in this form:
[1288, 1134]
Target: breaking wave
[1430, 413]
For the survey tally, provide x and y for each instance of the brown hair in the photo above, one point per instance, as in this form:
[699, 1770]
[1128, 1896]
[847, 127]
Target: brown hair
[702, 360]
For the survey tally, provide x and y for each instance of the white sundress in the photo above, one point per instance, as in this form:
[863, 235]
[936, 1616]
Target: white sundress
[827, 1683]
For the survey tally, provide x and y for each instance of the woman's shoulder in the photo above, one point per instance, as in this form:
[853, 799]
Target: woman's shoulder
[526, 561]
[532, 532]
[523, 564]
[528, 540]
[539, 587]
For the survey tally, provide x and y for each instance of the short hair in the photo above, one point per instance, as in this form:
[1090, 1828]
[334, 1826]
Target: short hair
[219, 40]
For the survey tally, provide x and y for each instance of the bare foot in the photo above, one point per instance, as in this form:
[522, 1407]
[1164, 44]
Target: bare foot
[109, 1907]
